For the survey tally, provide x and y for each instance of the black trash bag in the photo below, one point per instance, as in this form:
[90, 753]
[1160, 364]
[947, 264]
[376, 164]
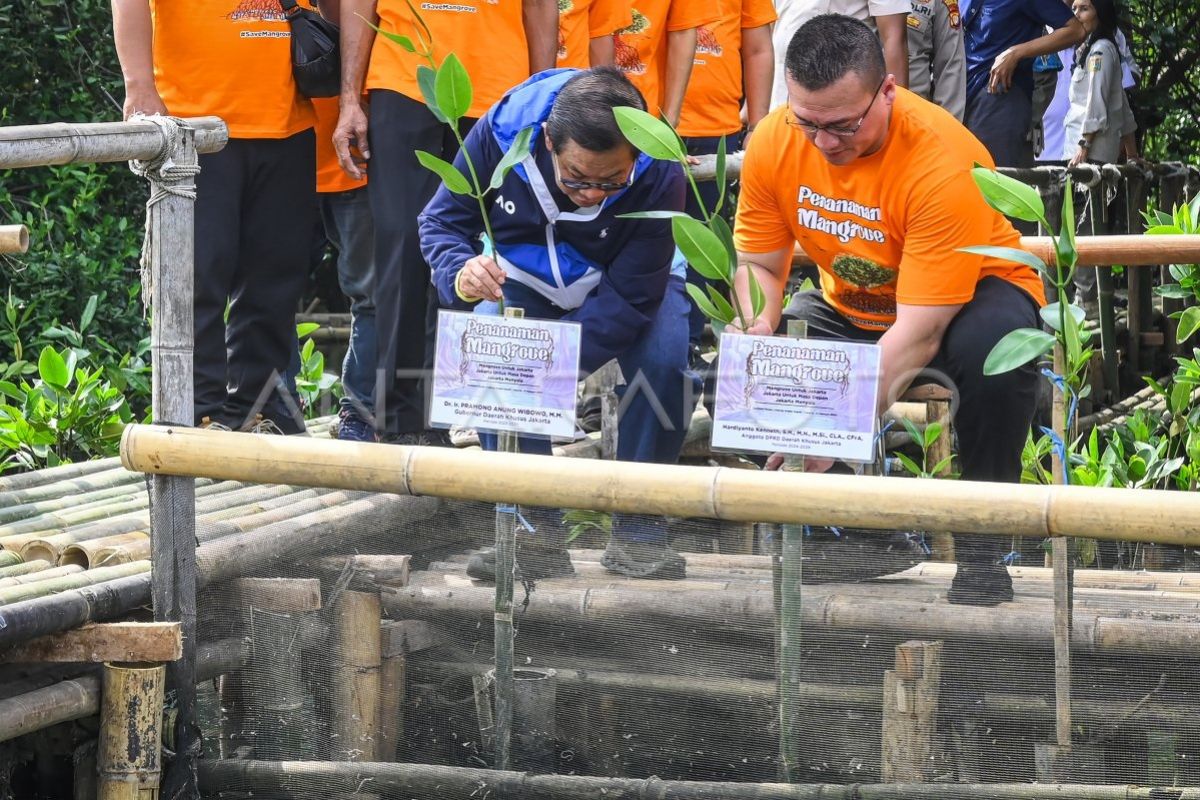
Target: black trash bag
[316, 58]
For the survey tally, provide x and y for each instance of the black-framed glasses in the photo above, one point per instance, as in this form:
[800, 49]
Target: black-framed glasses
[842, 131]
[571, 183]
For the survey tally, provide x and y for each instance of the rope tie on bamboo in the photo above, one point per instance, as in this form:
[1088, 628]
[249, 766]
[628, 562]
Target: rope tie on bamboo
[167, 179]
[1059, 444]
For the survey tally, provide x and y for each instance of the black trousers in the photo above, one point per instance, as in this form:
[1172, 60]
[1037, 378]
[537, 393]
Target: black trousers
[993, 413]
[255, 207]
[405, 301]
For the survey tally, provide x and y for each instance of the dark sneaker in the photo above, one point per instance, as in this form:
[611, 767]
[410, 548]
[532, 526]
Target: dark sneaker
[980, 585]
[643, 560]
[353, 428]
[535, 562]
[847, 555]
[431, 437]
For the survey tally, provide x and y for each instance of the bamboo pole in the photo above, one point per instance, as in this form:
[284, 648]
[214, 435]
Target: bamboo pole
[1060, 554]
[69, 500]
[969, 507]
[938, 410]
[826, 607]
[42, 588]
[421, 781]
[75, 487]
[45, 571]
[13, 564]
[130, 739]
[14, 239]
[98, 142]
[27, 480]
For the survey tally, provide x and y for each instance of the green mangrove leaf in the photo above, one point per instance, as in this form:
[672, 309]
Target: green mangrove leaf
[1049, 314]
[52, 368]
[426, 77]
[758, 300]
[1009, 254]
[1064, 245]
[516, 151]
[1189, 323]
[720, 302]
[720, 175]
[1009, 196]
[1016, 349]
[455, 181]
[452, 87]
[705, 305]
[701, 247]
[649, 134]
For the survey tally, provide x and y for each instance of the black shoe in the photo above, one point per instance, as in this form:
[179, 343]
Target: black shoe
[430, 437]
[846, 555]
[644, 560]
[535, 562]
[980, 585]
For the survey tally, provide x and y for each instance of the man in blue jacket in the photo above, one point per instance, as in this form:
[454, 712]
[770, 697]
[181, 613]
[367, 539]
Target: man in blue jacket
[563, 252]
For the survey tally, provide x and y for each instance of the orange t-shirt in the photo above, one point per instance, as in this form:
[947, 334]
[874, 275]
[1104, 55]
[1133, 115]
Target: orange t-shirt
[641, 47]
[232, 59]
[713, 103]
[488, 36]
[580, 21]
[886, 228]
[330, 175]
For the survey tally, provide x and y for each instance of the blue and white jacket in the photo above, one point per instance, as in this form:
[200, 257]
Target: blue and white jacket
[607, 274]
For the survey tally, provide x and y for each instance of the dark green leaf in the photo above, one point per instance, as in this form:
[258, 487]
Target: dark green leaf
[649, 134]
[426, 77]
[452, 87]
[516, 151]
[1064, 245]
[705, 305]
[758, 300]
[1009, 196]
[404, 42]
[455, 181]
[913, 467]
[1019, 347]
[89, 313]
[720, 302]
[1009, 254]
[720, 227]
[701, 247]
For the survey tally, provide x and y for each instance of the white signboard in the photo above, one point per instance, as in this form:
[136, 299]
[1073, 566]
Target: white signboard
[812, 397]
[505, 374]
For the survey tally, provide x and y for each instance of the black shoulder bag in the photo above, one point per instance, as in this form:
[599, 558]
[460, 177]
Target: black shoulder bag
[316, 59]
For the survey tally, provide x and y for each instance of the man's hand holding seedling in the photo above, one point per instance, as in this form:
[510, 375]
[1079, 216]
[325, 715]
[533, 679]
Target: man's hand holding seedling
[481, 278]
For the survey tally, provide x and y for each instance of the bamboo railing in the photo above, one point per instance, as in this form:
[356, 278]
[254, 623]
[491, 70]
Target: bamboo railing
[711, 492]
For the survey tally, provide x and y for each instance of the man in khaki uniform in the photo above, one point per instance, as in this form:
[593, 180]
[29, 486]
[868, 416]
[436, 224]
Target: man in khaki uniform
[937, 66]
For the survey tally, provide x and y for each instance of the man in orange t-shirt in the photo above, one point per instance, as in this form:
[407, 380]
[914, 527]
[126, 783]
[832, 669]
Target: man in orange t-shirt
[501, 42]
[734, 62]
[585, 31]
[232, 59]
[657, 48]
[874, 183]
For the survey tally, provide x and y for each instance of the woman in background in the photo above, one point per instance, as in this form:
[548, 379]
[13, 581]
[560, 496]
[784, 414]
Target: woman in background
[1099, 124]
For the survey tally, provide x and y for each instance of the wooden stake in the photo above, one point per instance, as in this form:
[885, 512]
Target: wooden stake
[788, 592]
[355, 705]
[506, 551]
[392, 696]
[1061, 564]
[130, 740]
[910, 709]
[938, 411]
[112, 641]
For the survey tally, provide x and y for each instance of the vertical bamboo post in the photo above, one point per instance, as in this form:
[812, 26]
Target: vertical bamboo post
[130, 740]
[170, 251]
[355, 707]
[910, 709]
[506, 547]
[938, 411]
[791, 579]
[608, 376]
[1060, 555]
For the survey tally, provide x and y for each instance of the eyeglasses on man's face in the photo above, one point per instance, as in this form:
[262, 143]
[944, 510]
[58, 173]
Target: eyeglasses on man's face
[577, 185]
[842, 131]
